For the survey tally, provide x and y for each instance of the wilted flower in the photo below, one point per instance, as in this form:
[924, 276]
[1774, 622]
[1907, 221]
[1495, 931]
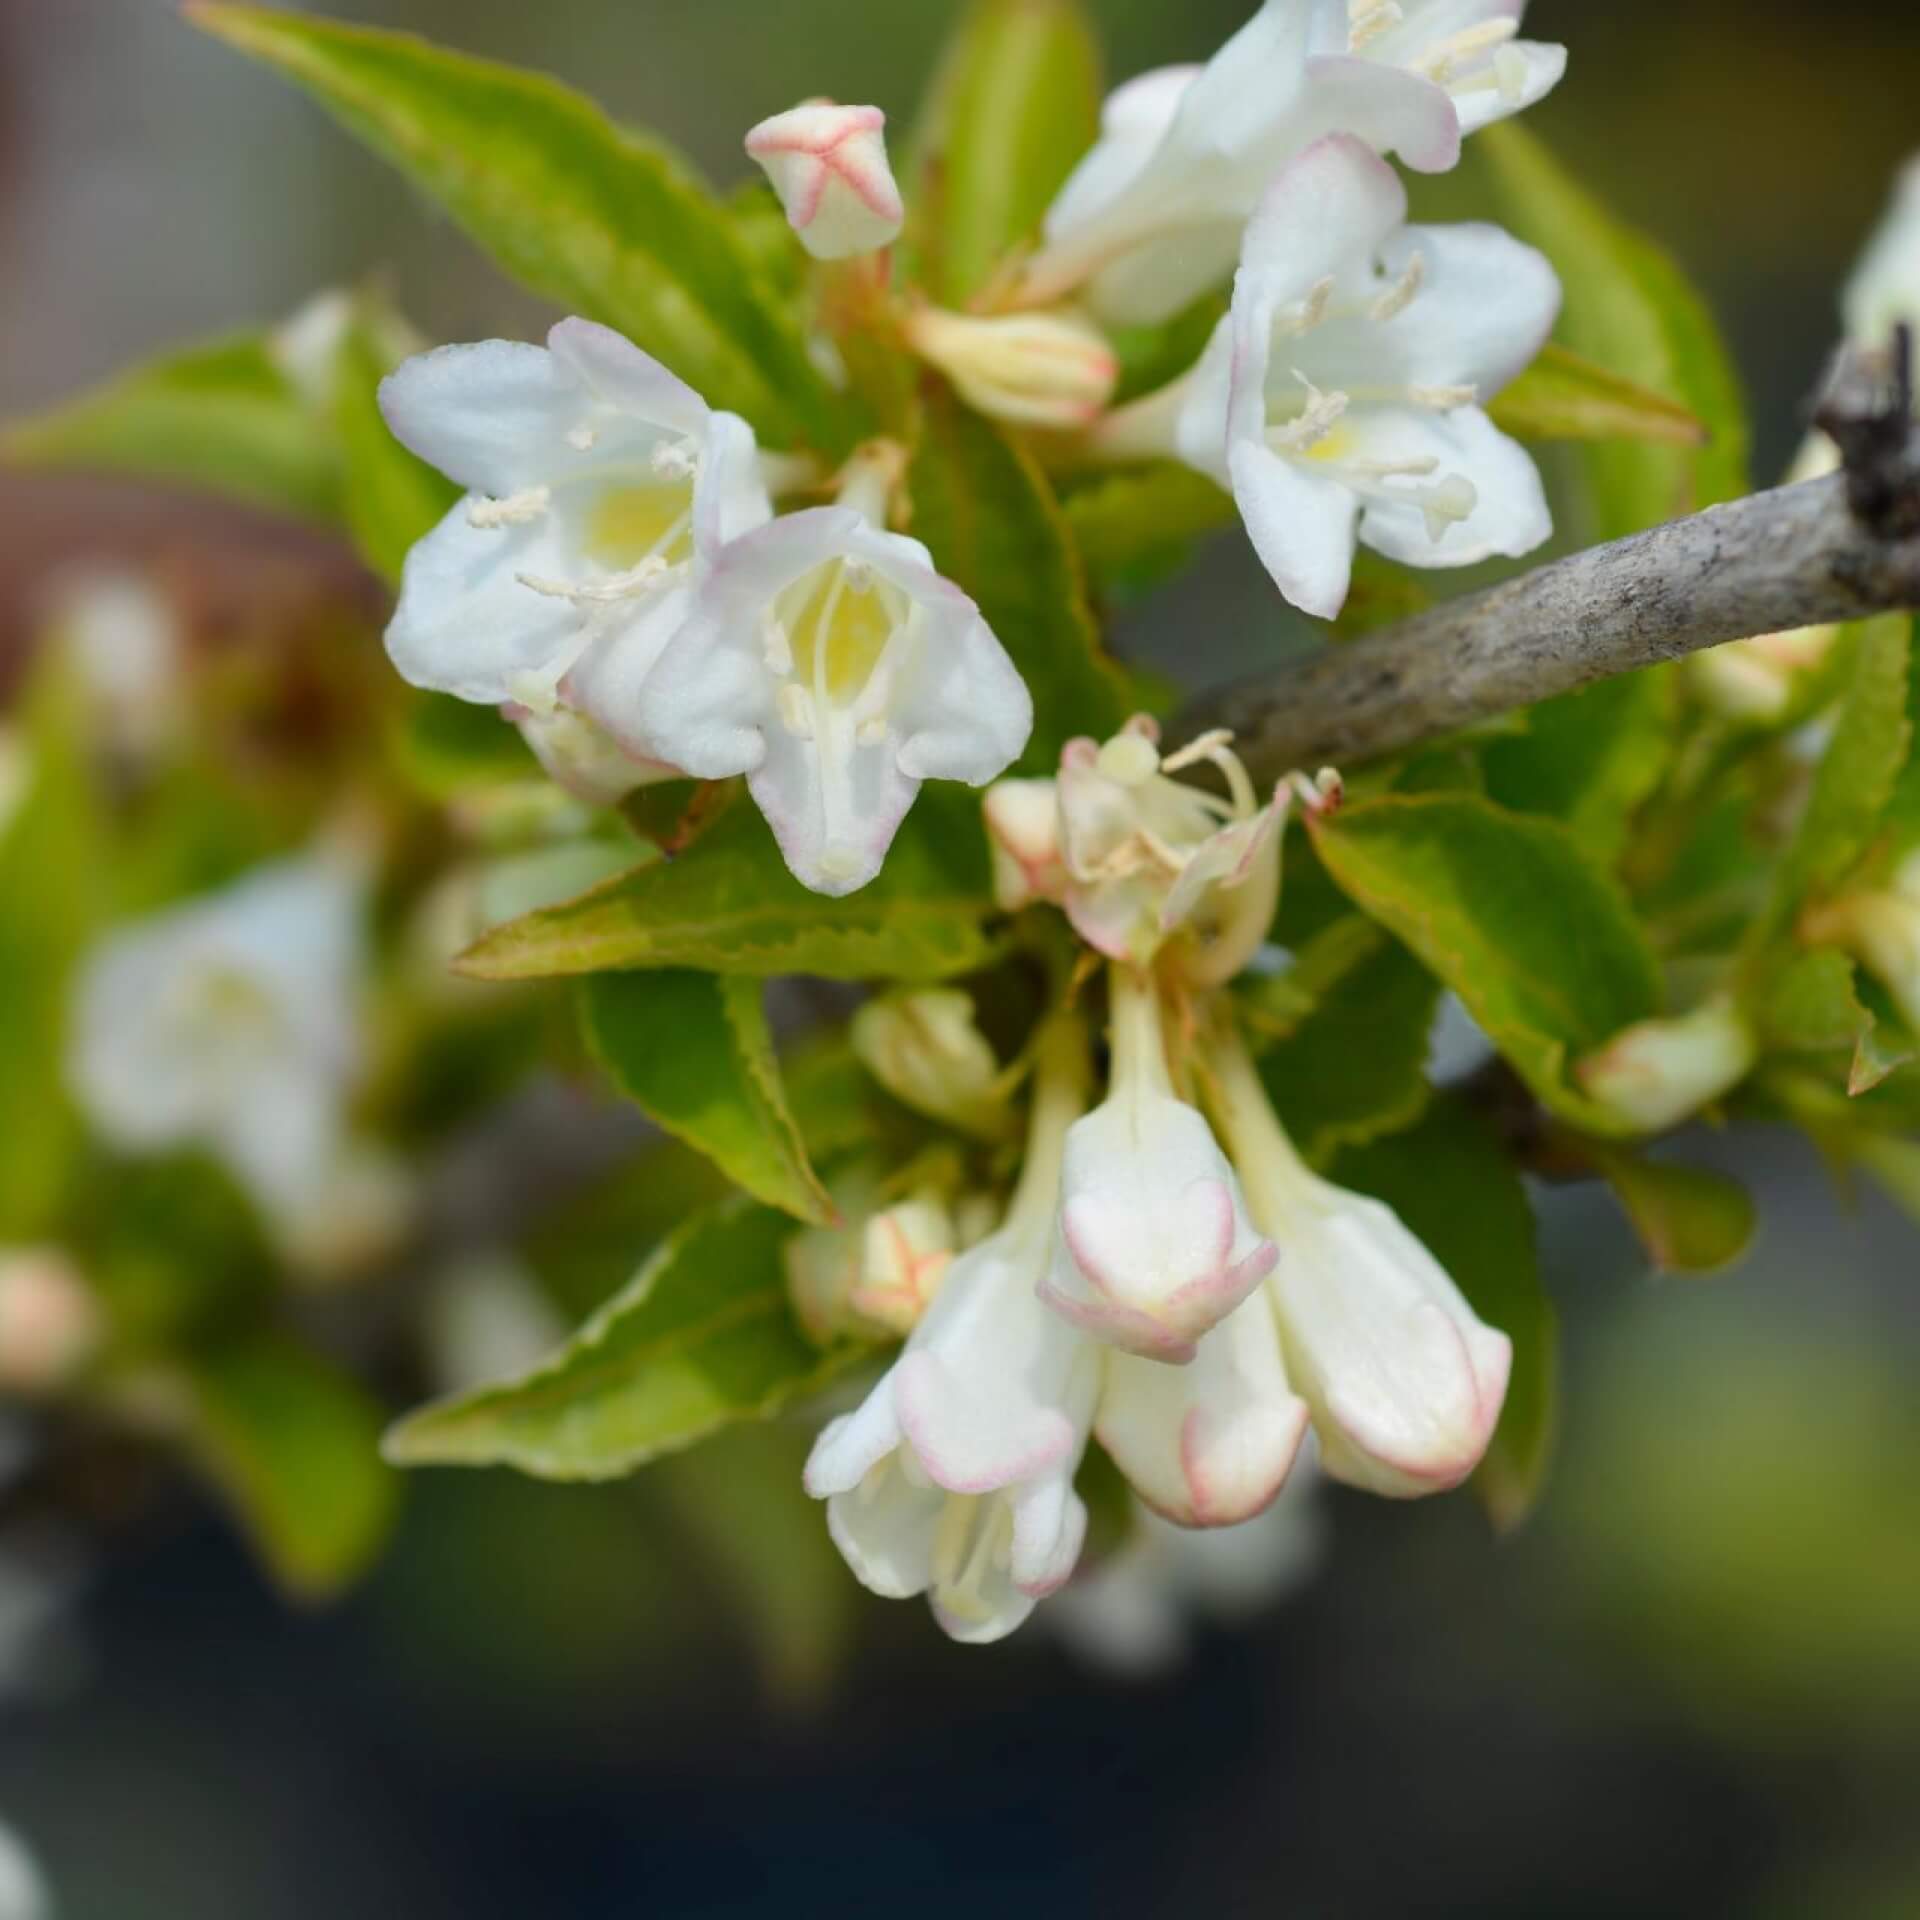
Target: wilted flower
[1470, 49]
[922, 1045]
[1340, 399]
[50, 1322]
[825, 659]
[828, 164]
[1035, 369]
[1404, 1380]
[599, 487]
[1658, 1073]
[1023, 833]
[1155, 1245]
[1152, 217]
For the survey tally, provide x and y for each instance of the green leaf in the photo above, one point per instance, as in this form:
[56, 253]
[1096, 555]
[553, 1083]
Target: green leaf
[1018, 103]
[1135, 529]
[729, 905]
[693, 1052]
[603, 221]
[993, 526]
[1275, 1005]
[703, 1336]
[53, 875]
[390, 495]
[220, 416]
[1858, 773]
[1629, 309]
[1449, 1180]
[448, 747]
[1691, 1220]
[1811, 1005]
[1564, 396]
[1354, 1069]
[295, 1447]
[1509, 912]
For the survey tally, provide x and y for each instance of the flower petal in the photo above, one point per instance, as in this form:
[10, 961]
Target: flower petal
[886, 1533]
[1510, 514]
[623, 377]
[1301, 524]
[492, 415]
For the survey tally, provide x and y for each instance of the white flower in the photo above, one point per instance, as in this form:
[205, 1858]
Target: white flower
[232, 1023]
[599, 485]
[828, 164]
[826, 660]
[955, 1476]
[1133, 1613]
[1341, 396]
[1035, 369]
[923, 1046]
[1468, 48]
[1405, 1382]
[1138, 860]
[1155, 1246]
[1885, 288]
[1151, 218]
[50, 1322]
[582, 757]
[1658, 1073]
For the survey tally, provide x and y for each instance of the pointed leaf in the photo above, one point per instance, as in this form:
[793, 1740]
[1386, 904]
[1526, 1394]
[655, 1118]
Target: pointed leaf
[1511, 915]
[1449, 1180]
[703, 1336]
[1565, 396]
[220, 416]
[992, 523]
[729, 905]
[1691, 1220]
[1813, 1004]
[693, 1052]
[604, 221]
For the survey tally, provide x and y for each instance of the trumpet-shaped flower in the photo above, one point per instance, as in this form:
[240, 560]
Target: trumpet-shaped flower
[1035, 369]
[1470, 49]
[232, 1024]
[1340, 399]
[828, 164]
[1152, 217]
[599, 487]
[1155, 1245]
[955, 1476]
[1404, 1380]
[1658, 1073]
[826, 660]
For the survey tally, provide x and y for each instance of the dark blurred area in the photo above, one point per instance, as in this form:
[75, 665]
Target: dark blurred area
[1690, 1685]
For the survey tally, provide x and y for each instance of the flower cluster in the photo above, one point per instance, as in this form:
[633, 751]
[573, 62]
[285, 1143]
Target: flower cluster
[1170, 1281]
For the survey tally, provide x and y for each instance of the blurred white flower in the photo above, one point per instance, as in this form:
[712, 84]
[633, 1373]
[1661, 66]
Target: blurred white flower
[825, 659]
[123, 636]
[1152, 217]
[1470, 49]
[1884, 291]
[484, 1319]
[24, 1894]
[1340, 400]
[828, 164]
[599, 488]
[924, 1046]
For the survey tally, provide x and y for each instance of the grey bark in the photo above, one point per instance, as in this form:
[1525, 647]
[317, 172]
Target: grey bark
[1795, 557]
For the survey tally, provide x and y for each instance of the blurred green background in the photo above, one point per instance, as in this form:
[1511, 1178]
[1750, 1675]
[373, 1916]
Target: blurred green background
[1691, 1686]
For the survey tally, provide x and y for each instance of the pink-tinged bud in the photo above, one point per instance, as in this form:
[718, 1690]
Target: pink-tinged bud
[829, 166]
[1657, 1073]
[925, 1049]
[1155, 1246]
[1023, 831]
[1034, 369]
[905, 1254]
[50, 1322]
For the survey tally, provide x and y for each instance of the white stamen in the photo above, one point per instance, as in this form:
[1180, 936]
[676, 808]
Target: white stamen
[1216, 748]
[1369, 19]
[1444, 399]
[1315, 421]
[582, 437]
[1446, 503]
[775, 648]
[515, 510]
[1445, 60]
[871, 732]
[672, 460]
[796, 710]
[1399, 297]
[634, 584]
[1129, 760]
[1414, 468]
[1303, 315]
[857, 573]
[1510, 75]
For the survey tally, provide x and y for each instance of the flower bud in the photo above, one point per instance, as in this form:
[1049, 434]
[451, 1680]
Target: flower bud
[925, 1049]
[1023, 831]
[50, 1322]
[828, 164]
[904, 1256]
[1657, 1073]
[1881, 929]
[1034, 369]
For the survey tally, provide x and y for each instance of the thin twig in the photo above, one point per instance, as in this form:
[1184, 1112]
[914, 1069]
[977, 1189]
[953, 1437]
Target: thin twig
[1829, 550]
